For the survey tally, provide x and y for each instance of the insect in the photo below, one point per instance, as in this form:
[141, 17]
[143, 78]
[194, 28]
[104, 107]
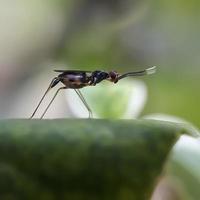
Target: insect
[77, 79]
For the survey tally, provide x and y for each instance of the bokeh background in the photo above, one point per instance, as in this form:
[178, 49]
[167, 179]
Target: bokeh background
[125, 35]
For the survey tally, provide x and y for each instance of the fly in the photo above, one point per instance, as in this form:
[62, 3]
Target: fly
[77, 79]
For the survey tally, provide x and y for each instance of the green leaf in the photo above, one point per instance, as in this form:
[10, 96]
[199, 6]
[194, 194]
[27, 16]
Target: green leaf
[83, 159]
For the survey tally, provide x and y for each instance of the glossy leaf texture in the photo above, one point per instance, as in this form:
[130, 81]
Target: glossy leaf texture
[83, 159]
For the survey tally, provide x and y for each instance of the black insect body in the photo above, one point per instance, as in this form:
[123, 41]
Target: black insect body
[75, 79]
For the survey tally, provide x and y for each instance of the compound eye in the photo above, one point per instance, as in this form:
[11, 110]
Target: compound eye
[113, 75]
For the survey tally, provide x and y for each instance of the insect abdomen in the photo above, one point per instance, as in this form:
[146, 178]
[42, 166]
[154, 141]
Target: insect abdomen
[75, 81]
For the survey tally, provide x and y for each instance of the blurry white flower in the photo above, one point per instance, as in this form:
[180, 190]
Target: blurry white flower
[125, 99]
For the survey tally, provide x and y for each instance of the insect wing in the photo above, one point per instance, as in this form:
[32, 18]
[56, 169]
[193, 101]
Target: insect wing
[72, 71]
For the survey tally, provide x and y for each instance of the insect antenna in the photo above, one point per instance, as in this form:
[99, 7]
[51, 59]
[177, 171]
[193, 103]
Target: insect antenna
[51, 85]
[148, 71]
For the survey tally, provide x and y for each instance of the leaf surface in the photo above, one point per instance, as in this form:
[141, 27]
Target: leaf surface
[83, 159]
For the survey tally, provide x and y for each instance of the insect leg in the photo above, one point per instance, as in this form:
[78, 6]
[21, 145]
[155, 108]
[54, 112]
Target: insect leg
[52, 101]
[52, 84]
[40, 102]
[84, 102]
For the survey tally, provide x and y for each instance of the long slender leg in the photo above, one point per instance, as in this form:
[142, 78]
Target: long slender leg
[52, 101]
[54, 82]
[84, 102]
[40, 102]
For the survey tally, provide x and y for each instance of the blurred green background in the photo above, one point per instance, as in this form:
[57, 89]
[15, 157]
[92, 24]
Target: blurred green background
[39, 36]
[124, 35]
